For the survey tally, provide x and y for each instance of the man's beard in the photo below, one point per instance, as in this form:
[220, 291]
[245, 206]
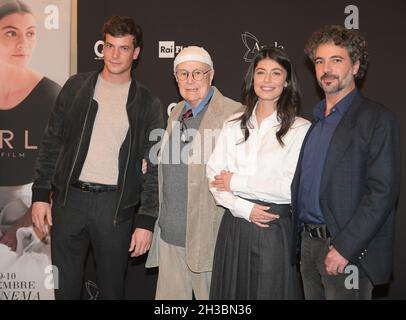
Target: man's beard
[336, 85]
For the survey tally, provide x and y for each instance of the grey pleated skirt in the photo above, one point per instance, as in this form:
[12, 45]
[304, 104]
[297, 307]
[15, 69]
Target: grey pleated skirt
[253, 263]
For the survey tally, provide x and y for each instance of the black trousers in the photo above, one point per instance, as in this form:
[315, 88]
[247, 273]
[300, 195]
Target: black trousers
[87, 220]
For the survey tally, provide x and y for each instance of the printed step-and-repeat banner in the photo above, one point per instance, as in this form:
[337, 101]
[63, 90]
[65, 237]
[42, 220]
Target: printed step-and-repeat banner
[34, 64]
[31, 76]
[232, 31]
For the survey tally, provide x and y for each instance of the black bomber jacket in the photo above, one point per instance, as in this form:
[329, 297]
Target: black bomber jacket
[66, 141]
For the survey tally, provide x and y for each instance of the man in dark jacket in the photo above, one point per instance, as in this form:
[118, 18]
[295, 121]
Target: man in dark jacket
[90, 165]
[347, 181]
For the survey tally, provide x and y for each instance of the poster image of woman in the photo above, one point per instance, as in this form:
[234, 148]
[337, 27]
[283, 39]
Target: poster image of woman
[26, 98]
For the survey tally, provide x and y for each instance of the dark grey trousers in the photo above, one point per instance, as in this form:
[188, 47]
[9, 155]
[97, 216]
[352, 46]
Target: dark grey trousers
[87, 220]
[318, 285]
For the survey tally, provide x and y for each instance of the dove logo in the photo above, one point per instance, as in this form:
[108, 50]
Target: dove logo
[92, 290]
[252, 45]
[251, 42]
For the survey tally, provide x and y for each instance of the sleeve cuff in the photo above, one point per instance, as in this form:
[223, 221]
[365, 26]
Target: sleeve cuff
[238, 182]
[350, 255]
[144, 222]
[243, 208]
[40, 195]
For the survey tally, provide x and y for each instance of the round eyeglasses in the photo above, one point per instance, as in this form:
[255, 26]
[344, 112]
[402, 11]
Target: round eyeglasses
[197, 74]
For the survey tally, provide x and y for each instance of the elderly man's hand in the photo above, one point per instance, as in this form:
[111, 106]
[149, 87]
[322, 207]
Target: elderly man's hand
[222, 181]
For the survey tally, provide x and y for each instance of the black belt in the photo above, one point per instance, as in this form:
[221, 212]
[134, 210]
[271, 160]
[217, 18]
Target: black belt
[318, 231]
[283, 210]
[93, 187]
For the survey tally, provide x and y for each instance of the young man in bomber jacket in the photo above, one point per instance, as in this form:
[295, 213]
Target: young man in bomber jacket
[90, 163]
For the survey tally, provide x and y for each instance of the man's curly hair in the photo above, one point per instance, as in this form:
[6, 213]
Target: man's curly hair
[349, 39]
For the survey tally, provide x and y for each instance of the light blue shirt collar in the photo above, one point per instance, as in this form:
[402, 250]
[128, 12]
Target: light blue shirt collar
[201, 105]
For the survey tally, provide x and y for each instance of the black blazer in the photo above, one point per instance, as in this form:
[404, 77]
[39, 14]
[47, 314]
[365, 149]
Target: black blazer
[359, 187]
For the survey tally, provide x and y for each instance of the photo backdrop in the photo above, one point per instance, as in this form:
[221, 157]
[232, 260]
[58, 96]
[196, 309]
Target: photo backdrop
[231, 32]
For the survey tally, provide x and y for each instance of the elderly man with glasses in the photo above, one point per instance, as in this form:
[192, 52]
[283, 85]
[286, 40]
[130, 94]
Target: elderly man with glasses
[186, 230]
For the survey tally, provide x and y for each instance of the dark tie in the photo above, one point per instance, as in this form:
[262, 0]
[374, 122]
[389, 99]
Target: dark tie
[183, 128]
[187, 114]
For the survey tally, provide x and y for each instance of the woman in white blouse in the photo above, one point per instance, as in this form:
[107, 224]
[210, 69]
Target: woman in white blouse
[250, 173]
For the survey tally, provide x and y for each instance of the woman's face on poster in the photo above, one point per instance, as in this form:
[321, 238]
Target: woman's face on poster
[17, 38]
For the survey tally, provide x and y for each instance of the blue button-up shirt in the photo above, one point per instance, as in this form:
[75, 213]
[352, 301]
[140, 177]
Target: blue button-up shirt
[201, 105]
[314, 157]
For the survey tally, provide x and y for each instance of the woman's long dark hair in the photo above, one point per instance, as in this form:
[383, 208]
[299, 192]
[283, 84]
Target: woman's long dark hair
[288, 103]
